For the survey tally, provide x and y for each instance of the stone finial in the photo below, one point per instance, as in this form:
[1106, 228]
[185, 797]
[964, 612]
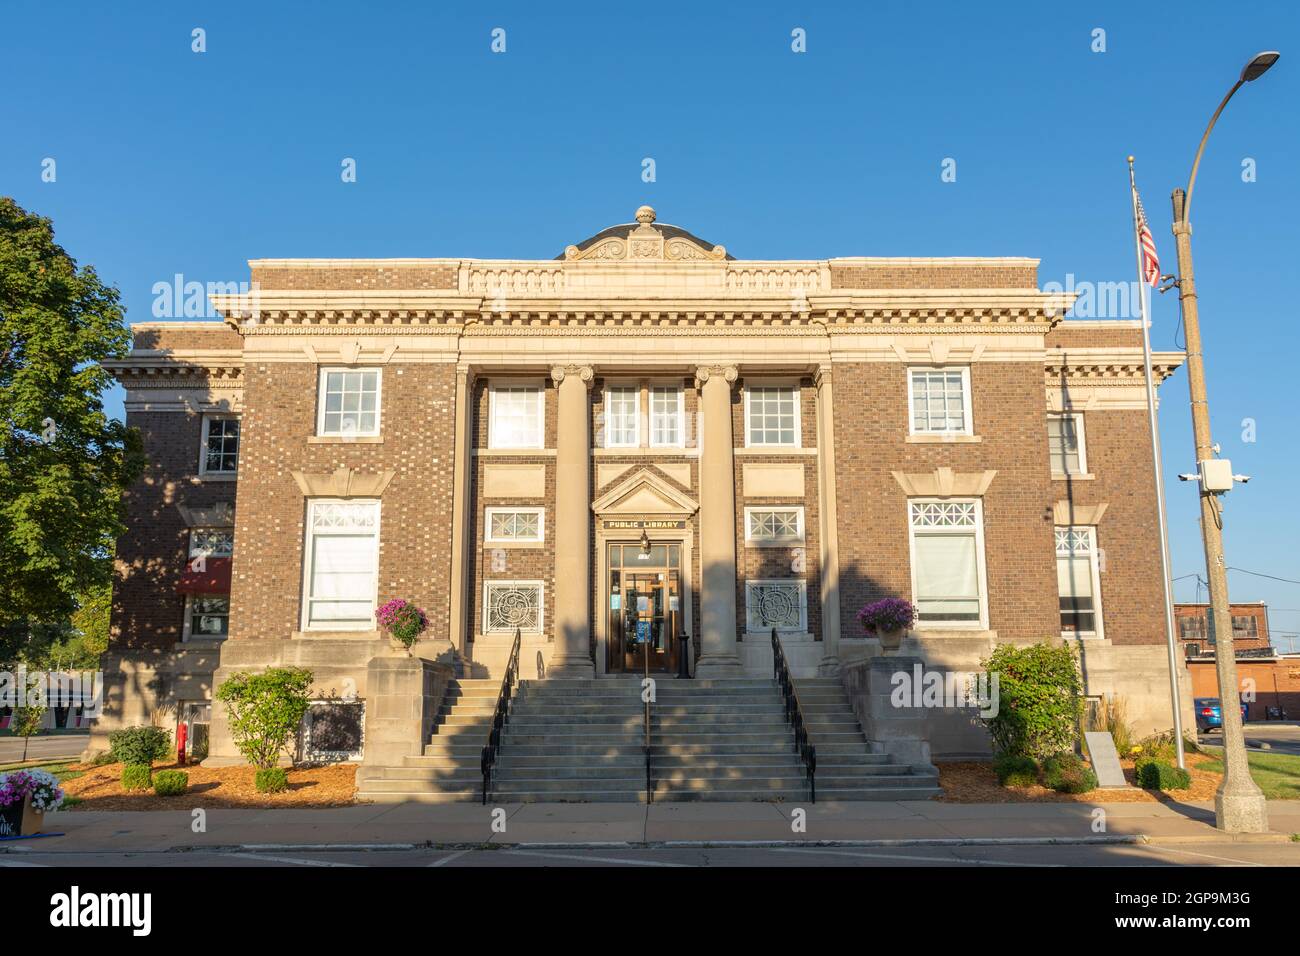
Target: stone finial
[645, 215]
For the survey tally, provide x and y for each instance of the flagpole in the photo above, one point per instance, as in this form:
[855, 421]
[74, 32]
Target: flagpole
[1166, 578]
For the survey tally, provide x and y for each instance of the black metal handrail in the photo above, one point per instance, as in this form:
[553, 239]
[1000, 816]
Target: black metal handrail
[649, 782]
[500, 716]
[794, 714]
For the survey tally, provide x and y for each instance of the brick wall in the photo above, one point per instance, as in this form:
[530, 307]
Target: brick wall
[151, 555]
[932, 276]
[1065, 337]
[187, 335]
[417, 424]
[340, 278]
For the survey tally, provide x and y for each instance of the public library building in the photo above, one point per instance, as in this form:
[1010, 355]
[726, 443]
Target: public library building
[642, 453]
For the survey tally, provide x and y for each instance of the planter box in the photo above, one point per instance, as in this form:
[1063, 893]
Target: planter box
[20, 819]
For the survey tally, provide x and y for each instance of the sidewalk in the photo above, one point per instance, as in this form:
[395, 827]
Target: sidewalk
[630, 823]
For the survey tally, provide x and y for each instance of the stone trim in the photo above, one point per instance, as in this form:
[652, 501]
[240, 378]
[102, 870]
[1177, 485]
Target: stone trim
[342, 483]
[1065, 513]
[945, 483]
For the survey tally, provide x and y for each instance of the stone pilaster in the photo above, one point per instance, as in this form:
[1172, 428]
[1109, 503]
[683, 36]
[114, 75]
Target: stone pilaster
[828, 525]
[457, 604]
[573, 584]
[718, 657]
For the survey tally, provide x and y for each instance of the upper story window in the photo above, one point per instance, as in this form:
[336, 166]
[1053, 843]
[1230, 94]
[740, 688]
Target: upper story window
[1078, 581]
[667, 416]
[772, 415]
[948, 562]
[349, 402]
[939, 400]
[1065, 444]
[207, 617]
[212, 542]
[515, 417]
[622, 416]
[341, 569]
[220, 451]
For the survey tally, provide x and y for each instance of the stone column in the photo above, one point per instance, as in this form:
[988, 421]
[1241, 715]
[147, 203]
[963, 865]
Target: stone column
[572, 535]
[828, 525]
[457, 605]
[718, 657]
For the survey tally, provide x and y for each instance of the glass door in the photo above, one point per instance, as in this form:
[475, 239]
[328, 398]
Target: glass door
[644, 618]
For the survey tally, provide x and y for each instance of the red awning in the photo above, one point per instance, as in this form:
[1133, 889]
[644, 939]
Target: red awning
[213, 579]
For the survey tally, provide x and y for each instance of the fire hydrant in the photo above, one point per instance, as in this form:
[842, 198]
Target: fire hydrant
[182, 732]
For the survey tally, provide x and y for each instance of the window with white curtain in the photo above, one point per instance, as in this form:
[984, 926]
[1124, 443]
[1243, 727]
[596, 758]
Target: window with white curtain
[1077, 581]
[947, 562]
[772, 415]
[515, 416]
[622, 416]
[667, 411]
[1065, 444]
[348, 402]
[342, 564]
[940, 401]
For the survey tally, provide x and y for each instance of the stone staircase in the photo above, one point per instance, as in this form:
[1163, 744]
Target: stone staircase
[581, 741]
[729, 740]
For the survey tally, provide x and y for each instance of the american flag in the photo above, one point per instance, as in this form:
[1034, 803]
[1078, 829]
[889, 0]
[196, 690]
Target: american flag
[1150, 261]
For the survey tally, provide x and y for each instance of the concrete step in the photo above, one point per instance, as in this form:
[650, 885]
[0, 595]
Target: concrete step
[385, 795]
[504, 785]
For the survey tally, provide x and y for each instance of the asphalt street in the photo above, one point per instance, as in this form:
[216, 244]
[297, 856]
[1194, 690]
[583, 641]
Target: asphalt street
[45, 747]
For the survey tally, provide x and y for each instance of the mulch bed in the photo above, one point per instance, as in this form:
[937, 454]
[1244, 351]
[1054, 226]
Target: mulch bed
[213, 788]
[975, 782]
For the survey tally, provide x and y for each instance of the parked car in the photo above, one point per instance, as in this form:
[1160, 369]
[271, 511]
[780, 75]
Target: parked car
[1209, 716]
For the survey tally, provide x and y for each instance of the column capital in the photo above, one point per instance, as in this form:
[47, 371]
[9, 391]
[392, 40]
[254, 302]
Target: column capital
[822, 376]
[584, 372]
[726, 372]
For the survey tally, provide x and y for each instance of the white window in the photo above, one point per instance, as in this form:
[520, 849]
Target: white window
[348, 402]
[622, 416]
[667, 416]
[515, 524]
[219, 454]
[212, 542]
[1065, 444]
[780, 604]
[515, 416]
[342, 566]
[774, 525]
[772, 415]
[1078, 582]
[947, 562]
[207, 616]
[940, 401]
[511, 605]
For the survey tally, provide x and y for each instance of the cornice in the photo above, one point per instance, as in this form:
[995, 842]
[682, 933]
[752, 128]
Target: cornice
[1082, 365]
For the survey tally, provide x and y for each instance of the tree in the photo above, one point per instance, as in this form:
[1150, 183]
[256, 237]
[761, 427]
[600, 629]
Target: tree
[26, 724]
[266, 711]
[63, 462]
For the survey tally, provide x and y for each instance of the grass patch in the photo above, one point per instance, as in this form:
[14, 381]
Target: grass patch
[60, 768]
[1278, 775]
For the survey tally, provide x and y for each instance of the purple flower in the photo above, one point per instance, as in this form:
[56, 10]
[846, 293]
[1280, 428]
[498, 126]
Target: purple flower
[887, 614]
[41, 786]
[402, 619]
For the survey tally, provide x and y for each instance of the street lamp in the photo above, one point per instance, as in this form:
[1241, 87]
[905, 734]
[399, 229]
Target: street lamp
[1239, 805]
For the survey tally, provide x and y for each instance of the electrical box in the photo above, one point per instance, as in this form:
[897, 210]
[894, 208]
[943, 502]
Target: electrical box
[1216, 475]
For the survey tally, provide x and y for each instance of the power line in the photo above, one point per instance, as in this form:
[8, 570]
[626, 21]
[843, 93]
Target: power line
[1257, 574]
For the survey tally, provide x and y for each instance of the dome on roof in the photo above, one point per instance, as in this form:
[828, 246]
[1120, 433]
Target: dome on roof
[647, 227]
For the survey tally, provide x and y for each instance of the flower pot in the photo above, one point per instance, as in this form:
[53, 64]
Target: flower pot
[891, 640]
[20, 819]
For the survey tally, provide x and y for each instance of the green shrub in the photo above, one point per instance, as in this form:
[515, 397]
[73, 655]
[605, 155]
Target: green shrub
[1016, 771]
[102, 759]
[1039, 699]
[1066, 773]
[271, 780]
[140, 745]
[1162, 776]
[266, 711]
[137, 776]
[169, 783]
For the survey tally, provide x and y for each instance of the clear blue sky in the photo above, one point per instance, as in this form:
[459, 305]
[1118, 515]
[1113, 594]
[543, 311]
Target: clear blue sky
[170, 161]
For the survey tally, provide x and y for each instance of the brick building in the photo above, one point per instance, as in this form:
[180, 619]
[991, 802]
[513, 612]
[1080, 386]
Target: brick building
[1250, 635]
[642, 443]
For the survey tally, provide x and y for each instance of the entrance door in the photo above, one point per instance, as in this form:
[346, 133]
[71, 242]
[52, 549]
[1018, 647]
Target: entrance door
[644, 618]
